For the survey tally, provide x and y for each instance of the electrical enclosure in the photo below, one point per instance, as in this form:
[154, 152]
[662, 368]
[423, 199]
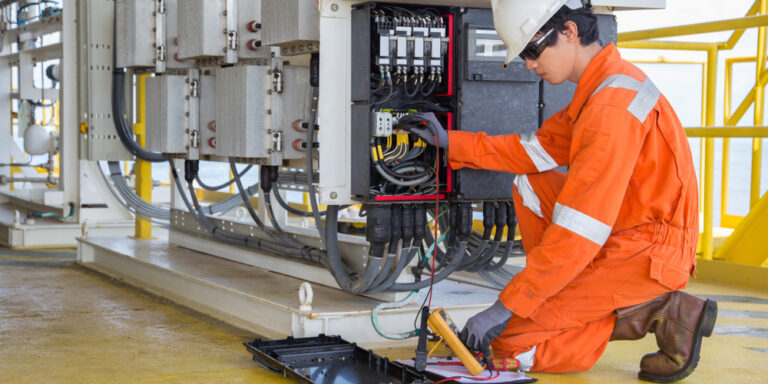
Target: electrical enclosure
[165, 114]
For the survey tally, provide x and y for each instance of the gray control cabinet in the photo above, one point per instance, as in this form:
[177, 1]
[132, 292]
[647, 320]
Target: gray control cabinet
[243, 112]
[298, 22]
[166, 122]
[135, 33]
[201, 26]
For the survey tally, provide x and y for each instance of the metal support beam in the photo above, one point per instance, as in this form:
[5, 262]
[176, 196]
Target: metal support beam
[143, 168]
[727, 132]
[695, 29]
[708, 168]
[757, 143]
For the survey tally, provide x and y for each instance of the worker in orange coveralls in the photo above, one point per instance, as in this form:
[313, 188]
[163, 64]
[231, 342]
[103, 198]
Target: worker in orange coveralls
[609, 244]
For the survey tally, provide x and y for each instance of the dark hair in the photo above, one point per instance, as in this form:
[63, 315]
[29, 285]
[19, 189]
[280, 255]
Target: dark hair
[585, 21]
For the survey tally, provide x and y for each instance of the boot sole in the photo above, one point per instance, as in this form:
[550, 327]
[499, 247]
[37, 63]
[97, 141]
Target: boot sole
[703, 329]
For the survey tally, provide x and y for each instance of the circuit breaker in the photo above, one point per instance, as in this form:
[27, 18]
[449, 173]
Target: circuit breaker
[402, 63]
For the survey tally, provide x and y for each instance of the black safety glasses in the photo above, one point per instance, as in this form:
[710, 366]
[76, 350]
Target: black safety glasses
[533, 50]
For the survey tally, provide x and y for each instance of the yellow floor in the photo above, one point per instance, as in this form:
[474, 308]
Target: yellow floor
[60, 323]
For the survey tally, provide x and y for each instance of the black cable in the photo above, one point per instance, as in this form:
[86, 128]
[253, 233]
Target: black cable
[279, 230]
[118, 108]
[310, 185]
[415, 91]
[308, 254]
[290, 209]
[227, 184]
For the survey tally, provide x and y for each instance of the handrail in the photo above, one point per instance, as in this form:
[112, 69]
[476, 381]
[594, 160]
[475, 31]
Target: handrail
[727, 132]
[695, 29]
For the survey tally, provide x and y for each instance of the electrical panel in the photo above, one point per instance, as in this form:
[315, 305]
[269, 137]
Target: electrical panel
[402, 63]
[207, 111]
[148, 35]
[166, 105]
[202, 27]
[209, 29]
[299, 36]
[260, 110]
[448, 61]
[135, 33]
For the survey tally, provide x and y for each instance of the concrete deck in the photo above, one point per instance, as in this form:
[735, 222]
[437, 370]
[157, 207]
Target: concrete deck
[61, 323]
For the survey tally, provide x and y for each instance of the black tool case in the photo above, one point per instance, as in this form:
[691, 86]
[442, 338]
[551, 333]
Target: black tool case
[330, 359]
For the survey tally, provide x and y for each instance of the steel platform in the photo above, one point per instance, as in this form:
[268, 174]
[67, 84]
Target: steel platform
[262, 301]
[49, 233]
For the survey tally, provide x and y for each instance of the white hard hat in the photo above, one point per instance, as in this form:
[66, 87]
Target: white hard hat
[516, 21]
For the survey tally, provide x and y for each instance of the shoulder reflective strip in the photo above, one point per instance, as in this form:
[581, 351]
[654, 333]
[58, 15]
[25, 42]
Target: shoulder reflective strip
[646, 98]
[530, 199]
[619, 81]
[581, 224]
[541, 159]
[526, 359]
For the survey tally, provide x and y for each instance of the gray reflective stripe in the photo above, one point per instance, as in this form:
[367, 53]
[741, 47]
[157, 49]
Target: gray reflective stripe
[526, 359]
[646, 98]
[530, 200]
[541, 159]
[619, 81]
[581, 224]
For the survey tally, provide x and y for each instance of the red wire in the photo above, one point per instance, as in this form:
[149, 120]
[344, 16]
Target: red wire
[437, 214]
[447, 379]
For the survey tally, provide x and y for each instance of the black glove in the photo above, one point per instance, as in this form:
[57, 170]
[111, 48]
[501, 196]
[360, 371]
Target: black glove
[427, 127]
[485, 327]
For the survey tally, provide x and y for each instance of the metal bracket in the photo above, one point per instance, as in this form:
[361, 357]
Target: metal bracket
[193, 115]
[277, 81]
[232, 41]
[231, 30]
[277, 141]
[194, 88]
[161, 52]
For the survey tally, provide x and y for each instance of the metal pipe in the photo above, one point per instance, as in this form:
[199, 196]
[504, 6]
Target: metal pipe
[736, 36]
[6, 180]
[695, 29]
[726, 141]
[671, 45]
[709, 158]
[732, 132]
[757, 143]
[143, 228]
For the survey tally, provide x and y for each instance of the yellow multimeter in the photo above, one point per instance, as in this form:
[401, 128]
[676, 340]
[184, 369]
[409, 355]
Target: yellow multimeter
[442, 325]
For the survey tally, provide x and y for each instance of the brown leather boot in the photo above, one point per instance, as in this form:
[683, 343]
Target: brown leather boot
[679, 321]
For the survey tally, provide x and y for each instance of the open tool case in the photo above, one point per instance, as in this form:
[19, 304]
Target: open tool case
[330, 359]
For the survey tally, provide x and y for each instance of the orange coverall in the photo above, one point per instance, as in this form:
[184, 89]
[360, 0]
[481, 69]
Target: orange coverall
[619, 229]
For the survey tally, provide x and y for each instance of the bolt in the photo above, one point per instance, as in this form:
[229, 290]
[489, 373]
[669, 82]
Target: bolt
[334, 195]
[334, 7]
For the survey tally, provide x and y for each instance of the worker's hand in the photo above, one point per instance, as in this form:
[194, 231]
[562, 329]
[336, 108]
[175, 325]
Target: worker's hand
[427, 127]
[485, 327]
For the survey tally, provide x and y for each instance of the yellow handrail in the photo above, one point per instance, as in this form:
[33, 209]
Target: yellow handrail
[695, 29]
